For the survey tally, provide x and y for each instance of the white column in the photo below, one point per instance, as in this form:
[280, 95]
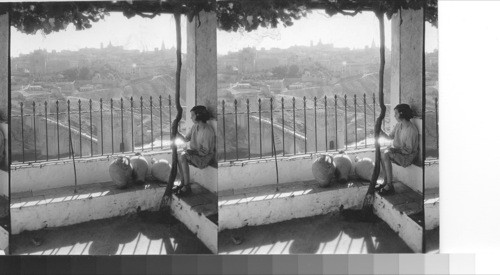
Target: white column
[407, 55]
[407, 66]
[4, 96]
[201, 63]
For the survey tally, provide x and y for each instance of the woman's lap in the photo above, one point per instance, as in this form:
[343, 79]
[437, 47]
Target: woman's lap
[400, 159]
[196, 160]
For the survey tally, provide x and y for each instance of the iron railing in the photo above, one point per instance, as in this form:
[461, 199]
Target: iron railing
[100, 128]
[306, 125]
[303, 125]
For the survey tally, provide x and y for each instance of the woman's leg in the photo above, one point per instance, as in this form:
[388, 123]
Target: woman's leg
[387, 165]
[184, 169]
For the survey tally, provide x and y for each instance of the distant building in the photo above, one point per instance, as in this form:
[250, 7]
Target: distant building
[246, 60]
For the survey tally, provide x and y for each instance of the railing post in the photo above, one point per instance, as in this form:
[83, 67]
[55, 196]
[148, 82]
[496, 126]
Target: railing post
[34, 127]
[46, 133]
[151, 114]
[80, 123]
[236, 125]
[345, 119]
[374, 113]
[70, 143]
[102, 128]
[142, 125]
[294, 142]
[326, 126]
[161, 123]
[315, 126]
[364, 105]
[170, 115]
[122, 144]
[57, 128]
[283, 123]
[91, 141]
[272, 128]
[112, 130]
[355, 124]
[305, 126]
[132, 121]
[248, 127]
[224, 127]
[260, 127]
[336, 124]
[437, 125]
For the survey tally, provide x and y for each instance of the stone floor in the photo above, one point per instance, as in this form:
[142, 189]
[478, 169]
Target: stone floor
[324, 234]
[144, 233]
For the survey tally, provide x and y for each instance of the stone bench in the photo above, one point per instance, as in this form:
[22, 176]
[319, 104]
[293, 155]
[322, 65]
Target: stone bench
[63, 206]
[264, 204]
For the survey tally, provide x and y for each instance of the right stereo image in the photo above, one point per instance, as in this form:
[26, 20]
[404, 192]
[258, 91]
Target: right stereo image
[327, 133]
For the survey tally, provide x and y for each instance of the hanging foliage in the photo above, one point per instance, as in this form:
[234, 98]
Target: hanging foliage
[48, 17]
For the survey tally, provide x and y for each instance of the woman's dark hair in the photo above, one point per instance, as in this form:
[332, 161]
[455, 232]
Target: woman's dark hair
[404, 110]
[201, 113]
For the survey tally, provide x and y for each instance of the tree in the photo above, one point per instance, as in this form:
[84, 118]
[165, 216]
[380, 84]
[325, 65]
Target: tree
[279, 71]
[293, 71]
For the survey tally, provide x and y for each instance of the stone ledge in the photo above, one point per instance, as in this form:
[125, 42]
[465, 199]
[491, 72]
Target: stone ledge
[398, 211]
[265, 205]
[431, 205]
[62, 206]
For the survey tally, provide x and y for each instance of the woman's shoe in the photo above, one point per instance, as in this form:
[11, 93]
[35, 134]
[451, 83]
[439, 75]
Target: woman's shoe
[184, 191]
[387, 192]
[378, 187]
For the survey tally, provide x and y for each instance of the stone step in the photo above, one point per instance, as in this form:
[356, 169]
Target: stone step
[206, 177]
[265, 204]
[431, 204]
[63, 206]
[403, 212]
[4, 241]
[4, 212]
[198, 211]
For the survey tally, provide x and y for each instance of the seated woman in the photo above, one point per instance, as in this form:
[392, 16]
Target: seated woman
[404, 148]
[201, 150]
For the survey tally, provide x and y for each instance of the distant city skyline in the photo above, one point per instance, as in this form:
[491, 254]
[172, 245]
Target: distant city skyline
[147, 34]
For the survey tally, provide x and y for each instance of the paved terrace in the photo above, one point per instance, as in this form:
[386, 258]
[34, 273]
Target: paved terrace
[142, 233]
[324, 234]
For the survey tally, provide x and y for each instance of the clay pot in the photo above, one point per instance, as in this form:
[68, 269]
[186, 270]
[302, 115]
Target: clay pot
[120, 171]
[323, 170]
[140, 166]
[363, 168]
[160, 170]
[344, 166]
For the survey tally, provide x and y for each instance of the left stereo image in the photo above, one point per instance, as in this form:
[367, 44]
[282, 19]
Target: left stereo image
[112, 129]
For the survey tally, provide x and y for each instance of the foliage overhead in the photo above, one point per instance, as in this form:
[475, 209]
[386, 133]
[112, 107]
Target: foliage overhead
[30, 17]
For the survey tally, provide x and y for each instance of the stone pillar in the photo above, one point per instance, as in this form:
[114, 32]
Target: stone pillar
[4, 63]
[4, 100]
[407, 66]
[407, 61]
[201, 63]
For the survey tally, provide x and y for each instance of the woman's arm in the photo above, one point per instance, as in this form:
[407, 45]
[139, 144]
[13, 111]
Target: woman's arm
[410, 141]
[186, 137]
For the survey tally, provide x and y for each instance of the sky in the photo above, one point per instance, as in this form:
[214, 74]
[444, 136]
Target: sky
[148, 34]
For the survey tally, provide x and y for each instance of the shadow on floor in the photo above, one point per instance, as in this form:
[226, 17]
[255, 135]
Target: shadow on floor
[324, 234]
[143, 233]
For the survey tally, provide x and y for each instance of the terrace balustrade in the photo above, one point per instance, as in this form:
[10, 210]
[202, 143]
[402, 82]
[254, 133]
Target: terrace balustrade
[52, 130]
[300, 125]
